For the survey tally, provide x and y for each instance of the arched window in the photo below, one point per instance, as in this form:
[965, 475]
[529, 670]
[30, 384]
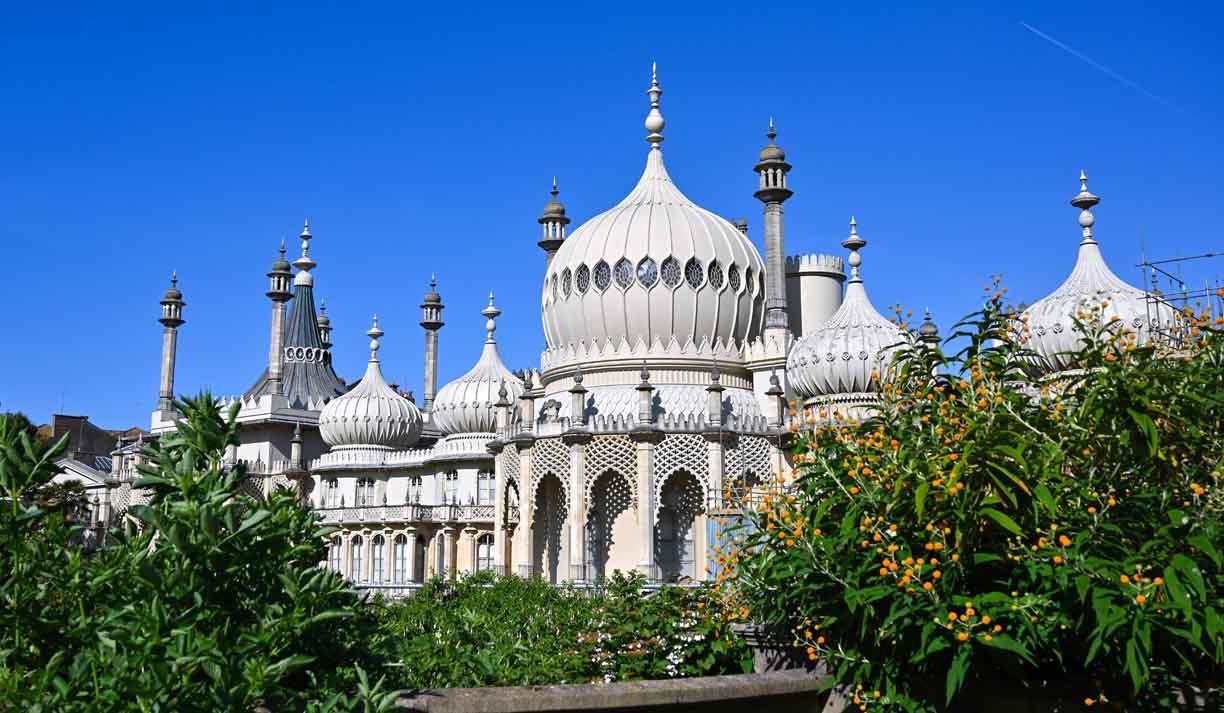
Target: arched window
[365, 493]
[647, 273]
[450, 488]
[399, 562]
[624, 273]
[566, 281]
[331, 493]
[693, 273]
[484, 553]
[671, 272]
[484, 488]
[733, 277]
[715, 274]
[414, 489]
[582, 278]
[603, 275]
[335, 555]
[356, 571]
[378, 559]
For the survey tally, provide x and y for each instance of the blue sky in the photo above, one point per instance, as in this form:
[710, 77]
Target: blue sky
[139, 139]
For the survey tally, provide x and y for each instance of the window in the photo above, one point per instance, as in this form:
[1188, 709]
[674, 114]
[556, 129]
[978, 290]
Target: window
[693, 273]
[356, 573]
[450, 488]
[761, 281]
[624, 273]
[671, 272]
[554, 288]
[733, 277]
[365, 493]
[566, 279]
[414, 489]
[716, 275]
[335, 555]
[647, 273]
[399, 561]
[603, 275]
[331, 493]
[377, 560]
[748, 283]
[582, 278]
[485, 488]
[484, 553]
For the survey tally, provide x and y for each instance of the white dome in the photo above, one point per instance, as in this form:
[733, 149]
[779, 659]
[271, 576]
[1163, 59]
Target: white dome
[468, 404]
[839, 356]
[372, 413]
[654, 267]
[1053, 334]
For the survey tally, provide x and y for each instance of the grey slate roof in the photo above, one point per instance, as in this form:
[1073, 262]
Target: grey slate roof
[303, 381]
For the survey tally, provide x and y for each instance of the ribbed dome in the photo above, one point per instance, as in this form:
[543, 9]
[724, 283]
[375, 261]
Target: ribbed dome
[839, 356]
[372, 413]
[653, 267]
[1051, 320]
[468, 404]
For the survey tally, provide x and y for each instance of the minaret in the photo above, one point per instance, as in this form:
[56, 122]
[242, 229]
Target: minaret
[431, 322]
[325, 325]
[171, 318]
[773, 192]
[553, 221]
[279, 279]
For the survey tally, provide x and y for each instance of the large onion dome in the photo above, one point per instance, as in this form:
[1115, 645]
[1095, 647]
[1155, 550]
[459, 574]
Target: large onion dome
[1091, 292]
[654, 267]
[468, 404]
[835, 361]
[372, 414]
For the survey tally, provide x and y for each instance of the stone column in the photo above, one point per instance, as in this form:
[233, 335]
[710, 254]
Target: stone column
[346, 559]
[410, 543]
[388, 556]
[576, 512]
[471, 534]
[646, 440]
[452, 552]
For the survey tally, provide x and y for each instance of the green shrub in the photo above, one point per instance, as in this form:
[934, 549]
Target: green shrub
[992, 533]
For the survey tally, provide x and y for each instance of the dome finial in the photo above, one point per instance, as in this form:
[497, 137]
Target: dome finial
[854, 243]
[492, 312]
[304, 263]
[1084, 200]
[654, 120]
[374, 334]
[772, 133]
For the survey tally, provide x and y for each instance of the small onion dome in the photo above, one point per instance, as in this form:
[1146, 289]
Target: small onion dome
[772, 152]
[432, 297]
[1053, 334]
[468, 404]
[372, 414]
[173, 293]
[554, 208]
[928, 331]
[281, 265]
[324, 320]
[839, 356]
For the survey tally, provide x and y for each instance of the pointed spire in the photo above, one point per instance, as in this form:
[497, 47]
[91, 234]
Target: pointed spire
[854, 243]
[654, 120]
[492, 313]
[304, 263]
[374, 334]
[1084, 200]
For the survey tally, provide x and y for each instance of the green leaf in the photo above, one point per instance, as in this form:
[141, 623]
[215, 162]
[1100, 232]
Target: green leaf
[1046, 498]
[1002, 520]
[958, 671]
[1204, 545]
[920, 496]
[1148, 427]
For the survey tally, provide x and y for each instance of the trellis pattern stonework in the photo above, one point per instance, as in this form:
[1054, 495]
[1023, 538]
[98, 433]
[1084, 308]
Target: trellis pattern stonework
[680, 451]
[610, 453]
[551, 456]
[509, 462]
[751, 455]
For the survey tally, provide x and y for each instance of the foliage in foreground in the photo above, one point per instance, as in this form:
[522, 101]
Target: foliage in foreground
[487, 631]
[992, 534]
[212, 601]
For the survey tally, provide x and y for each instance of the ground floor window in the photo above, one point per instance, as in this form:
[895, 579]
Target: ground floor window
[356, 573]
[484, 553]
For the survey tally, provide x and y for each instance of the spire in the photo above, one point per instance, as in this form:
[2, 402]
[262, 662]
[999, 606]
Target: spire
[1084, 200]
[431, 322]
[928, 331]
[553, 222]
[492, 312]
[304, 263]
[374, 334]
[654, 120]
[854, 243]
[773, 191]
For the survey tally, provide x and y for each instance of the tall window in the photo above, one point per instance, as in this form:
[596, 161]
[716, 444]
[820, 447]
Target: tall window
[414, 489]
[399, 562]
[331, 493]
[356, 574]
[378, 559]
[484, 553]
[484, 488]
[334, 555]
[450, 487]
[365, 493]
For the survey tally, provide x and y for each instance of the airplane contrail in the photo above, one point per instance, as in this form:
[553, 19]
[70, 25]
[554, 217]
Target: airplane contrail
[1097, 65]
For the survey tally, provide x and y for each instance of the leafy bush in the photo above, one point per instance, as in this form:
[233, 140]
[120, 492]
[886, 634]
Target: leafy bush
[213, 601]
[993, 533]
[487, 631]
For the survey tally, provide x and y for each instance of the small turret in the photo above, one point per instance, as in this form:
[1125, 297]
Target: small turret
[553, 221]
[773, 190]
[172, 305]
[431, 322]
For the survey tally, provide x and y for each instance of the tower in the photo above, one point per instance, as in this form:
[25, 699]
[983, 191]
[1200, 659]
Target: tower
[431, 322]
[279, 279]
[773, 192]
[171, 318]
[553, 222]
